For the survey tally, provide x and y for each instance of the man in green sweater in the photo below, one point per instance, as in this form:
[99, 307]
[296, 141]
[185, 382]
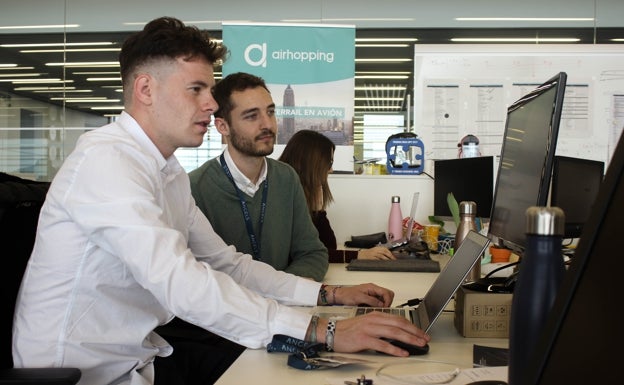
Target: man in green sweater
[253, 202]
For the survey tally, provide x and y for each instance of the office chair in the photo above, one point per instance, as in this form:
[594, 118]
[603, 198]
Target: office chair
[20, 202]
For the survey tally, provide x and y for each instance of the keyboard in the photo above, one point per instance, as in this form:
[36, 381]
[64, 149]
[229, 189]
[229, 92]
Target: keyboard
[400, 265]
[389, 310]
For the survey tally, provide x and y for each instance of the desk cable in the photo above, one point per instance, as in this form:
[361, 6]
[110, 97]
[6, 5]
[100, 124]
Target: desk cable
[440, 378]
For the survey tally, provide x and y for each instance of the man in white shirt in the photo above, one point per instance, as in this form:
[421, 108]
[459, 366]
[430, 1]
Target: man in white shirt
[121, 247]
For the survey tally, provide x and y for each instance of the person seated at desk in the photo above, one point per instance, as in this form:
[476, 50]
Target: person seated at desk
[254, 202]
[311, 154]
[121, 246]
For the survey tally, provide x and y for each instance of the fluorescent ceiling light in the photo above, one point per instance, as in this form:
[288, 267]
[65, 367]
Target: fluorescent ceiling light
[7, 65]
[379, 98]
[85, 64]
[347, 19]
[108, 108]
[81, 100]
[381, 76]
[43, 88]
[31, 45]
[617, 39]
[28, 81]
[60, 91]
[515, 39]
[40, 26]
[70, 50]
[96, 73]
[383, 60]
[19, 75]
[382, 72]
[389, 88]
[385, 39]
[104, 79]
[524, 19]
[377, 107]
[380, 45]
[15, 68]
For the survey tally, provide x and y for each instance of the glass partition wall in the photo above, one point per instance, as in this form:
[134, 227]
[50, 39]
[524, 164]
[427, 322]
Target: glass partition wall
[59, 74]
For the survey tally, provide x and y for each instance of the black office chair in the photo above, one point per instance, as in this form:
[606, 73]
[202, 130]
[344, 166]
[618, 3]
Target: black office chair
[20, 202]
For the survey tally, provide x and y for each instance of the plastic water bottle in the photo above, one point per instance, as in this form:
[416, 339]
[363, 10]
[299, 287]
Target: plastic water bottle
[540, 275]
[467, 222]
[395, 220]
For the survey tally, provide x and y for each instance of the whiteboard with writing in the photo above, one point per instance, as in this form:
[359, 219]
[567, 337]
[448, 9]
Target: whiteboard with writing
[466, 89]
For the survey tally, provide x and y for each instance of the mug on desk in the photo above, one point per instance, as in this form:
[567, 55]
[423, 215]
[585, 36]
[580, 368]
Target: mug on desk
[430, 236]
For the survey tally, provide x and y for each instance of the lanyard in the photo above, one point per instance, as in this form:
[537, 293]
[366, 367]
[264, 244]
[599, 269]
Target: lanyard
[253, 239]
[303, 355]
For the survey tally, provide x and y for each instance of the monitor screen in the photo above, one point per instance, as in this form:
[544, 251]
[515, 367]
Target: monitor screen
[469, 179]
[524, 172]
[575, 184]
[581, 342]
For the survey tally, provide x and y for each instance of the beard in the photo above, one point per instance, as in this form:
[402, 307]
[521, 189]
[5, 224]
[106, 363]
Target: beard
[248, 146]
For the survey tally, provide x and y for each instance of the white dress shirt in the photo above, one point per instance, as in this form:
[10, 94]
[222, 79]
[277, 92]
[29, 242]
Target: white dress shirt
[121, 248]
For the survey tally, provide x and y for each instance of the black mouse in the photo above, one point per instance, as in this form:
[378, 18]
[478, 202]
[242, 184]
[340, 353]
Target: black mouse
[413, 350]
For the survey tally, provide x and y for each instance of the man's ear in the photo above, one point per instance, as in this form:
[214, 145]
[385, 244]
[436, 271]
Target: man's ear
[143, 89]
[222, 126]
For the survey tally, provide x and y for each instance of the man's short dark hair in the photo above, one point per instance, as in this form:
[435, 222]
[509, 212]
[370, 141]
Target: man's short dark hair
[167, 37]
[239, 81]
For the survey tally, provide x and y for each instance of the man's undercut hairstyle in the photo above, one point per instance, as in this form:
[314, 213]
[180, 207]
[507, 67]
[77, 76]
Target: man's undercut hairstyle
[167, 38]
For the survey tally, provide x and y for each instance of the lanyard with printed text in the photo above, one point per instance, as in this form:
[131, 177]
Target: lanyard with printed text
[253, 239]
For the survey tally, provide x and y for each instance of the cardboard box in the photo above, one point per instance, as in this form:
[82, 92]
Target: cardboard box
[480, 314]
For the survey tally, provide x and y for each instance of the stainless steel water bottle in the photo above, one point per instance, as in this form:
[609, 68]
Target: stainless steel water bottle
[395, 220]
[467, 222]
[539, 277]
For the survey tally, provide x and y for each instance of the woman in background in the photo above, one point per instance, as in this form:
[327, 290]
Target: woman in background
[311, 154]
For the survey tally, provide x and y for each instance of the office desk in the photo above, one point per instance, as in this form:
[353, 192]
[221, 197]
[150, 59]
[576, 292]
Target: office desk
[258, 367]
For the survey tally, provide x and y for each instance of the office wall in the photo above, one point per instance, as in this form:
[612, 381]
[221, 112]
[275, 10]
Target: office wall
[359, 208]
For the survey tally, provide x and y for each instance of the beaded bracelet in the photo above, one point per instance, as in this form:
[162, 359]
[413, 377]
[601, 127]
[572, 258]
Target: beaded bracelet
[334, 294]
[323, 294]
[329, 337]
[313, 324]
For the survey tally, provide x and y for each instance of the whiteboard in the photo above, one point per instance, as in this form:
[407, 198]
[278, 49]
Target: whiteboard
[466, 89]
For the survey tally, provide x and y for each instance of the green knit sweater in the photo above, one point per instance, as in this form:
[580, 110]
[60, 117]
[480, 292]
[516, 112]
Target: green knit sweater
[289, 240]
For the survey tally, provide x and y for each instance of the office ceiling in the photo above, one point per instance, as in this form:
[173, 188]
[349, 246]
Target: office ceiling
[429, 24]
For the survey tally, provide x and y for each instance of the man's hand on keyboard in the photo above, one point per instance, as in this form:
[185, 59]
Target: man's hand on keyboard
[364, 294]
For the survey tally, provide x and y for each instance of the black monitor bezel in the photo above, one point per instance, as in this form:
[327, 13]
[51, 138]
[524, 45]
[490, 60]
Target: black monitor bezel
[558, 82]
[580, 189]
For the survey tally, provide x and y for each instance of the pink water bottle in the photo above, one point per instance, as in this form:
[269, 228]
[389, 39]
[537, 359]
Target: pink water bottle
[395, 220]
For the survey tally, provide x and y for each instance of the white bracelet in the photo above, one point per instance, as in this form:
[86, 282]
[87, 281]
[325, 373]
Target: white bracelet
[329, 337]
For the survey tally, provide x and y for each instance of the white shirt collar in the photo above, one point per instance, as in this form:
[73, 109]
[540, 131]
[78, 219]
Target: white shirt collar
[242, 182]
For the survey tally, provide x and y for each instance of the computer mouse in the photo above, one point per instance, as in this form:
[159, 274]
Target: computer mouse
[413, 350]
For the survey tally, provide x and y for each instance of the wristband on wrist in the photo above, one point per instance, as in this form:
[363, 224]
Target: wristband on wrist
[329, 337]
[334, 294]
[313, 325]
[323, 295]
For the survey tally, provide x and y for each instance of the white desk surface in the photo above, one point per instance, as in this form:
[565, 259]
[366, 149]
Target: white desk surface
[258, 367]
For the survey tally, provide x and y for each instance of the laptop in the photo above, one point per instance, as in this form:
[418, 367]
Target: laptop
[438, 295]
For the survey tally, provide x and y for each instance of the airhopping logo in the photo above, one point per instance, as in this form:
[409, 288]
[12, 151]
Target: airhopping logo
[263, 54]
[255, 60]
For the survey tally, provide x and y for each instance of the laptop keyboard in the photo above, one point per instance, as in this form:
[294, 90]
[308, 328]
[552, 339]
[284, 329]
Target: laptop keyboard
[390, 310]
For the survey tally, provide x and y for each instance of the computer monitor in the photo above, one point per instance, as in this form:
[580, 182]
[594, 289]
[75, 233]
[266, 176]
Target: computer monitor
[469, 179]
[524, 172]
[581, 342]
[575, 184]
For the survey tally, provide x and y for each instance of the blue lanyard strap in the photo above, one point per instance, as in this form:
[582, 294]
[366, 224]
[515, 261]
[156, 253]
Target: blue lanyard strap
[303, 355]
[253, 239]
